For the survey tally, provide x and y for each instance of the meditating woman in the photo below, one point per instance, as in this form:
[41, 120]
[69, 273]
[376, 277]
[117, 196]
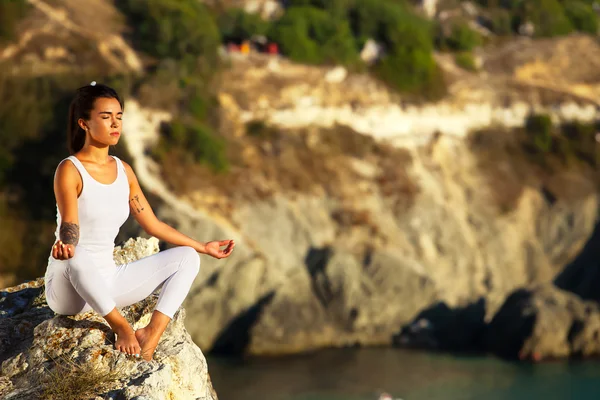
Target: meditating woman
[95, 193]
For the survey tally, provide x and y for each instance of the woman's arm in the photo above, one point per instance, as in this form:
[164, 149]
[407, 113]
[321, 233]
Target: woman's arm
[142, 212]
[67, 186]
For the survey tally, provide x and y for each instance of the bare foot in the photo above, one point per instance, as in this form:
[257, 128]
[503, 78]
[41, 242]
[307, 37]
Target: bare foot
[148, 339]
[127, 341]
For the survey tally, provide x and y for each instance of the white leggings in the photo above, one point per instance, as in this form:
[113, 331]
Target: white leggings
[75, 286]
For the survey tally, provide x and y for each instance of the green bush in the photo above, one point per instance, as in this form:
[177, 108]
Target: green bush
[582, 16]
[408, 40]
[465, 60]
[11, 11]
[336, 7]
[462, 37]
[180, 29]
[207, 148]
[312, 36]
[539, 129]
[582, 140]
[195, 140]
[237, 25]
[548, 17]
[413, 71]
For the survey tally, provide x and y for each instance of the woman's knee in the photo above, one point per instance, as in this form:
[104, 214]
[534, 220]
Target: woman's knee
[191, 259]
[71, 307]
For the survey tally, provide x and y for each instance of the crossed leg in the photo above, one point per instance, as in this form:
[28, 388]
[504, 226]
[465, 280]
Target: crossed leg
[76, 286]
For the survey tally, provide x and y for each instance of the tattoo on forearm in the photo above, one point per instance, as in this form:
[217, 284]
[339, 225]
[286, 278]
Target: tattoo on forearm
[69, 233]
[135, 204]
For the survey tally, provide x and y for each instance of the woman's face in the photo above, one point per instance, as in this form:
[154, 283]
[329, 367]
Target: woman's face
[104, 125]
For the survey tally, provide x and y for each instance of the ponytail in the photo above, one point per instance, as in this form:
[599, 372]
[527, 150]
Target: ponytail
[81, 108]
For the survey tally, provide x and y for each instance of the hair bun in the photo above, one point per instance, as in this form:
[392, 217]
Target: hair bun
[93, 83]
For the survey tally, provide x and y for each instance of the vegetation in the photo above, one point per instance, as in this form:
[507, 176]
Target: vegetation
[74, 380]
[11, 12]
[582, 16]
[196, 142]
[570, 142]
[463, 38]
[539, 130]
[310, 35]
[549, 17]
[236, 25]
[183, 30]
[466, 61]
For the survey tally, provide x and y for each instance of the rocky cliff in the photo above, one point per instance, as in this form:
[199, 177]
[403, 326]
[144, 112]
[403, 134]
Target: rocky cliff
[58, 357]
[354, 212]
[357, 211]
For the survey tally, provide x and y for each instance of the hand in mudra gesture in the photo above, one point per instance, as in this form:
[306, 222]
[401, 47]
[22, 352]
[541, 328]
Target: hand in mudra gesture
[214, 248]
[62, 251]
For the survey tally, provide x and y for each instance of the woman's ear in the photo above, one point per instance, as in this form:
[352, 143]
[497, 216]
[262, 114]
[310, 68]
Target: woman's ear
[82, 124]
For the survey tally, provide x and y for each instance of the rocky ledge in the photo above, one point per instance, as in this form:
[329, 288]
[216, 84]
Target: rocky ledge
[536, 323]
[43, 355]
[545, 322]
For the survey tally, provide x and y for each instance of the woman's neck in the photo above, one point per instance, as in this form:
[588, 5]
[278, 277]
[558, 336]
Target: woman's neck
[97, 155]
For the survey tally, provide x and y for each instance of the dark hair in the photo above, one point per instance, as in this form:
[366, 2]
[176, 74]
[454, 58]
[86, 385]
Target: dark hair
[81, 107]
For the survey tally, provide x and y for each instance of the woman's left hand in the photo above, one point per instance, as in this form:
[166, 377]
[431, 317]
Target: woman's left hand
[214, 248]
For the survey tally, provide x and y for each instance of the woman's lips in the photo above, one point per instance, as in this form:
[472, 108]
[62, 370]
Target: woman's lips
[114, 134]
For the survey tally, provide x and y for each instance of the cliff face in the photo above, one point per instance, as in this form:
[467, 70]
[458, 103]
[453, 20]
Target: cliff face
[352, 215]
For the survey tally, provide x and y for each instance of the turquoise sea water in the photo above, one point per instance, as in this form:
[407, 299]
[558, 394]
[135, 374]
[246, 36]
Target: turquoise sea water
[361, 374]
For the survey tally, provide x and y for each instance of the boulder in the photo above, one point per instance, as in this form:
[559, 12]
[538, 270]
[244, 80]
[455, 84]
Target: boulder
[545, 322]
[43, 355]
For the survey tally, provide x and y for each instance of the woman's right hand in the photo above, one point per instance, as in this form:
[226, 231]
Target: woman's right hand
[61, 251]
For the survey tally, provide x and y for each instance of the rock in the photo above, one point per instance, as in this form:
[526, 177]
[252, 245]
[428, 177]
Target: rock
[400, 236]
[545, 322]
[440, 327]
[371, 52]
[134, 249]
[72, 357]
[429, 7]
[315, 282]
[336, 301]
[527, 29]
[336, 75]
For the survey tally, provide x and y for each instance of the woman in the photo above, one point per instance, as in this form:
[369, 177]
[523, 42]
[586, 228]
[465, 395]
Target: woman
[95, 193]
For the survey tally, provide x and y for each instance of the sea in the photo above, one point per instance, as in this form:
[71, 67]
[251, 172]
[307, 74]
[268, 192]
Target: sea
[372, 373]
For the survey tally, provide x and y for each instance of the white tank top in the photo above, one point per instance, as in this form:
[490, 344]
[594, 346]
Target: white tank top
[103, 209]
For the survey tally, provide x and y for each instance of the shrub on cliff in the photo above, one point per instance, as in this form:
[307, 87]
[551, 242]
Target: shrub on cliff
[539, 129]
[237, 25]
[462, 37]
[11, 11]
[194, 141]
[311, 35]
[547, 16]
[581, 138]
[465, 60]
[180, 29]
[407, 38]
[582, 16]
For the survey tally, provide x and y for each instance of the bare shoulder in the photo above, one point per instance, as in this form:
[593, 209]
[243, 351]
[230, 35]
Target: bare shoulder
[130, 174]
[66, 170]
[67, 176]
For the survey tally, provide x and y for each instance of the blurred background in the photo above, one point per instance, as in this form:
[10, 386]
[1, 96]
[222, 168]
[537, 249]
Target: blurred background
[413, 186]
